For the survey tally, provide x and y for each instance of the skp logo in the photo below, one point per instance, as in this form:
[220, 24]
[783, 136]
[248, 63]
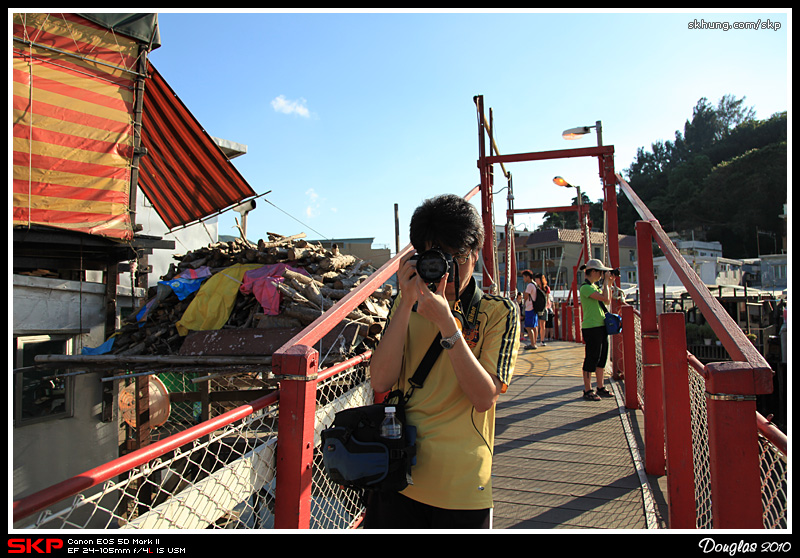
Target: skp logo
[31, 546]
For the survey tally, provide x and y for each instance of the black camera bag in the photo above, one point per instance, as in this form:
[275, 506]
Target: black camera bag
[354, 453]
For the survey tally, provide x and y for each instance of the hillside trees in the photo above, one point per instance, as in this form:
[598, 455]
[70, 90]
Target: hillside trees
[724, 177]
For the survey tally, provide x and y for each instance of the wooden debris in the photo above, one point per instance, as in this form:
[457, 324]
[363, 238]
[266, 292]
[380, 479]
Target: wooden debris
[329, 276]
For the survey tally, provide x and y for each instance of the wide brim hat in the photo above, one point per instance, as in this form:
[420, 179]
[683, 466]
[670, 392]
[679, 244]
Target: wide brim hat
[596, 264]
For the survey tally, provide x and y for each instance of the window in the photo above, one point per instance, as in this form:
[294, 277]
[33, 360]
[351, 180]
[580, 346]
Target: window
[38, 395]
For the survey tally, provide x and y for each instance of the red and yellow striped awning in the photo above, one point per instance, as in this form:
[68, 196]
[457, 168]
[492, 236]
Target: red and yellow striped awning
[73, 134]
[185, 174]
[72, 125]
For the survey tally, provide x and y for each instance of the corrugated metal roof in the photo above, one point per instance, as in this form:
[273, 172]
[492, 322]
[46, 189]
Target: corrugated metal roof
[185, 175]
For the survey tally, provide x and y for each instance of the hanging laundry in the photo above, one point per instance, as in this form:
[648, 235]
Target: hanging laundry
[261, 284]
[214, 301]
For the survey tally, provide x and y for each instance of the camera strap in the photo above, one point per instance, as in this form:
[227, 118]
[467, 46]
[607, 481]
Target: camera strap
[424, 367]
[467, 314]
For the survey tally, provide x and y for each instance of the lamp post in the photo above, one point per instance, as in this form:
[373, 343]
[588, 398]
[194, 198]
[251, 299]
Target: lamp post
[559, 181]
[577, 133]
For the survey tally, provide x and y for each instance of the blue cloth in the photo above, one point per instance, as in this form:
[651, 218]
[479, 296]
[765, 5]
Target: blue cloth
[162, 290]
[184, 287]
[101, 350]
[188, 281]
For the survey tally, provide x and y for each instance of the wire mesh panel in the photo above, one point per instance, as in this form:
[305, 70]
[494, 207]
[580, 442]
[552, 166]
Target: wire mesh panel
[774, 484]
[224, 480]
[637, 325]
[700, 448]
[333, 506]
[195, 396]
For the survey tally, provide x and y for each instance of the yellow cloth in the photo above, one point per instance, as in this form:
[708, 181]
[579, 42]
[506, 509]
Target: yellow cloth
[454, 441]
[214, 301]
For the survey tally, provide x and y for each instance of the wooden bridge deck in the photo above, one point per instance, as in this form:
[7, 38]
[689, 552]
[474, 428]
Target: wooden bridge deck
[565, 463]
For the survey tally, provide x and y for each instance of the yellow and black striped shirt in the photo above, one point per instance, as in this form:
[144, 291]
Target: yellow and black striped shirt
[454, 441]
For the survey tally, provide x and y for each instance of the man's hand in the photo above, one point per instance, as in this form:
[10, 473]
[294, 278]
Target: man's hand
[433, 306]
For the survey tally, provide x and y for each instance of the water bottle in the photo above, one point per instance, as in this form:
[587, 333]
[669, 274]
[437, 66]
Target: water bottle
[391, 427]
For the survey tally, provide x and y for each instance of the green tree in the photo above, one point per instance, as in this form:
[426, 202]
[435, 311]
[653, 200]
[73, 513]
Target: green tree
[707, 176]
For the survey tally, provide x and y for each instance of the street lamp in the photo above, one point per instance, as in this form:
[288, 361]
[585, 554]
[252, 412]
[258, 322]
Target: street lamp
[580, 131]
[559, 181]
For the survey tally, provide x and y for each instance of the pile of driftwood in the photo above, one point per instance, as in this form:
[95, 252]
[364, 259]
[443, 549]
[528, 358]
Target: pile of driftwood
[331, 276]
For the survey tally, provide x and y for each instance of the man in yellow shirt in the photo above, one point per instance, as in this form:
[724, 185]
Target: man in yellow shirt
[453, 411]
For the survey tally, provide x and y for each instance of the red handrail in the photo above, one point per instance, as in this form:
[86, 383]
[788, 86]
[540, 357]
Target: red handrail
[727, 330]
[38, 501]
[730, 392]
[772, 433]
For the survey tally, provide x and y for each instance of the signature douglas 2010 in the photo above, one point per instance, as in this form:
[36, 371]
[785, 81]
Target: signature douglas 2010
[709, 545]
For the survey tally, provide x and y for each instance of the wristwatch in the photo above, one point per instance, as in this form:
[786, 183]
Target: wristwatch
[450, 342]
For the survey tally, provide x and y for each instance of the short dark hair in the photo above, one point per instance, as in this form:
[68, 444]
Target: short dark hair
[527, 273]
[448, 221]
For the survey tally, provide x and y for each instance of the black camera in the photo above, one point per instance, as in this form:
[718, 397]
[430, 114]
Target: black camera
[615, 272]
[433, 264]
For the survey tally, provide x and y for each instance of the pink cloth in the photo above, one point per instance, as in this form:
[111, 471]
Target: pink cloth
[261, 283]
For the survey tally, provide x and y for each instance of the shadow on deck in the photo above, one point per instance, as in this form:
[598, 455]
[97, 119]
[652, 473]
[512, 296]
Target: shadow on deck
[562, 462]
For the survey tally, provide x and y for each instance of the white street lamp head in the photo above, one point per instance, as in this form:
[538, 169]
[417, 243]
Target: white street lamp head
[575, 133]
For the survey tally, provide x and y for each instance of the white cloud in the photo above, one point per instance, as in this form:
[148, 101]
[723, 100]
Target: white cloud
[298, 107]
[313, 208]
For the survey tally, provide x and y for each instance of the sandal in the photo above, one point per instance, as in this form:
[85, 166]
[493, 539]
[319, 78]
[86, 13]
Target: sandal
[590, 395]
[603, 391]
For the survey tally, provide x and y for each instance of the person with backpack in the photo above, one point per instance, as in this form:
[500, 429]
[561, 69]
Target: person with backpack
[534, 304]
[540, 304]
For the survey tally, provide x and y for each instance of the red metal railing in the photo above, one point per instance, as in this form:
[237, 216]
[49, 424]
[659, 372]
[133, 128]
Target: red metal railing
[655, 356]
[296, 365]
[39, 501]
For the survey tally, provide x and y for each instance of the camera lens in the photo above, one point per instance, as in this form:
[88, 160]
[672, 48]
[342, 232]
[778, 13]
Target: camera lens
[432, 265]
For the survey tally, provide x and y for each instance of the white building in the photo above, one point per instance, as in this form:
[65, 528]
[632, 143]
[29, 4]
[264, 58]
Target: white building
[706, 260]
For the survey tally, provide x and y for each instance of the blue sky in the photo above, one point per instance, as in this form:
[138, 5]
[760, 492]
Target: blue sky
[346, 114]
